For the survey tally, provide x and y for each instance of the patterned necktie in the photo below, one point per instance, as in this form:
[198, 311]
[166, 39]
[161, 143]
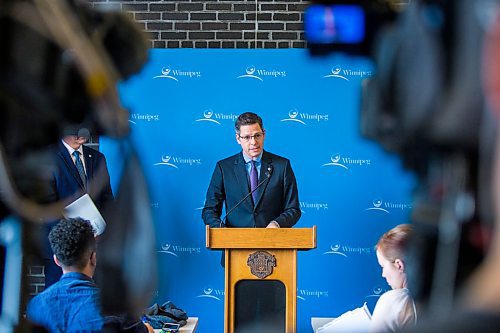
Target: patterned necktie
[253, 181]
[79, 167]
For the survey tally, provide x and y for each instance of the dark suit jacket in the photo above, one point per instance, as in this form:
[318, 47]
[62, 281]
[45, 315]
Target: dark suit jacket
[67, 184]
[278, 198]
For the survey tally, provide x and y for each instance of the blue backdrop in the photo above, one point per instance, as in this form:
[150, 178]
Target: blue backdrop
[183, 106]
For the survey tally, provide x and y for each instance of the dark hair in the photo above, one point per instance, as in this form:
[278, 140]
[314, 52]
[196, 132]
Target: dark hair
[247, 118]
[392, 245]
[72, 240]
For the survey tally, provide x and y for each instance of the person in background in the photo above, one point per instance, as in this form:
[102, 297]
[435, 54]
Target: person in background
[73, 303]
[78, 170]
[395, 309]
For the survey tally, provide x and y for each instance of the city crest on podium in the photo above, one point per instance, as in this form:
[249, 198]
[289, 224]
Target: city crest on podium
[261, 263]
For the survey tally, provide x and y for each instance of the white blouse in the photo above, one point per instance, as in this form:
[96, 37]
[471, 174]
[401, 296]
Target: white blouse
[394, 310]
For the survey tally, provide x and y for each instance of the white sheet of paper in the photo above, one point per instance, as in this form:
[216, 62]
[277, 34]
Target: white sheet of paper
[357, 320]
[85, 208]
[317, 322]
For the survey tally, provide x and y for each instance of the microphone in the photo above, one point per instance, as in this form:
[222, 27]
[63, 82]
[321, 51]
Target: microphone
[269, 172]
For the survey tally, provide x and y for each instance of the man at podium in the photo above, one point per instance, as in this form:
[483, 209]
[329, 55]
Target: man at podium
[259, 190]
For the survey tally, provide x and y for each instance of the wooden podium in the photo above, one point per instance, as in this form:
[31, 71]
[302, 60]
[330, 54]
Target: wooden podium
[261, 254]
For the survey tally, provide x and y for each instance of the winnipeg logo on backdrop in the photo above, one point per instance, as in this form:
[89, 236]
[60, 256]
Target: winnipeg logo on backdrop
[386, 206]
[335, 161]
[304, 294]
[253, 73]
[377, 205]
[201, 207]
[338, 72]
[376, 292]
[216, 117]
[139, 117]
[346, 250]
[295, 116]
[345, 162]
[336, 249]
[176, 250]
[216, 294]
[176, 74]
[165, 248]
[313, 206]
[175, 161]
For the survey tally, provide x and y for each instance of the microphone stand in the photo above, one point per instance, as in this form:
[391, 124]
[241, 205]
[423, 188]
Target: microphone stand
[269, 172]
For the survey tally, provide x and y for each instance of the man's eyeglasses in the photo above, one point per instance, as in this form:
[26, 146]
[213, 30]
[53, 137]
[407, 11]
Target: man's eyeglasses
[248, 138]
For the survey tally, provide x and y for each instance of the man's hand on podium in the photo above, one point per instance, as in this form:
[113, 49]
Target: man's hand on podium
[273, 224]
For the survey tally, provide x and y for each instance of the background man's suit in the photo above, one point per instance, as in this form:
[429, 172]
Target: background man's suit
[66, 182]
[277, 198]
[67, 185]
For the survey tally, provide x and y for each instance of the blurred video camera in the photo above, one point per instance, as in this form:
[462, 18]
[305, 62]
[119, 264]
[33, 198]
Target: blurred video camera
[426, 104]
[347, 26]
[60, 64]
[426, 94]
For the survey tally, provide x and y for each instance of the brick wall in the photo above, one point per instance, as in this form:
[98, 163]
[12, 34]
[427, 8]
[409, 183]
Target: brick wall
[36, 280]
[217, 24]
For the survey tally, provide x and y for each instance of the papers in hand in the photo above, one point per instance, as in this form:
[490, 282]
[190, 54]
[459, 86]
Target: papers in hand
[85, 208]
[357, 320]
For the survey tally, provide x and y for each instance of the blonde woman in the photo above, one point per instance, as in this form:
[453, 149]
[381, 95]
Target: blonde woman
[395, 309]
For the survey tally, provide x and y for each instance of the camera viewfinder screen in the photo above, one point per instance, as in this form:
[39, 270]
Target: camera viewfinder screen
[329, 24]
